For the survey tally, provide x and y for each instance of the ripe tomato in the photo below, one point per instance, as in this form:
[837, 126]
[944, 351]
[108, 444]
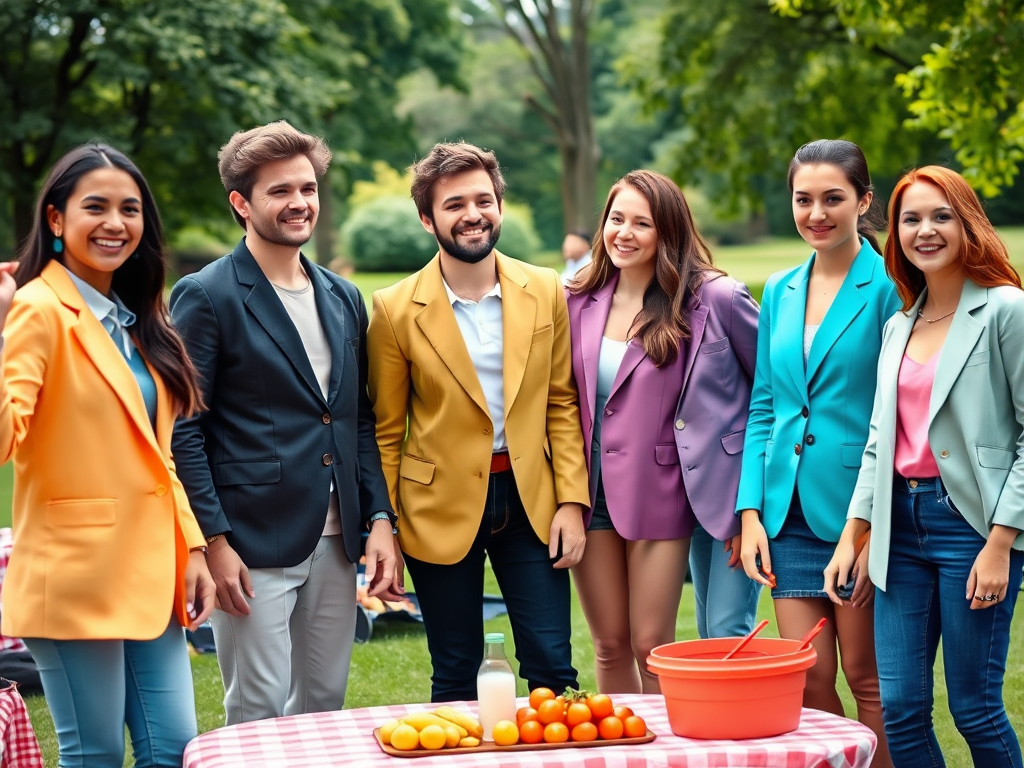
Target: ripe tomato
[531, 732]
[525, 714]
[537, 695]
[622, 712]
[551, 711]
[600, 705]
[505, 733]
[556, 733]
[611, 728]
[634, 726]
[584, 732]
[577, 713]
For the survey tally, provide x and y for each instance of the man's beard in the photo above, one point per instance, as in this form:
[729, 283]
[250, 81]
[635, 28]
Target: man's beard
[469, 254]
[275, 235]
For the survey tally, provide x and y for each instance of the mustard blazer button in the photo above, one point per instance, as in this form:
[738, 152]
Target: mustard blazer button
[161, 490]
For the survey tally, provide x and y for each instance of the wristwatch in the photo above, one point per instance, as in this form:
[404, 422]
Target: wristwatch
[391, 517]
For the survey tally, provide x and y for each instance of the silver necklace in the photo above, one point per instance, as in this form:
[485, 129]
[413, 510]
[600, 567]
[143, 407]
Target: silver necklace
[921, 315]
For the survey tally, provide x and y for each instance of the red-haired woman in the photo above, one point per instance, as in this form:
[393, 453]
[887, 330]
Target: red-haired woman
[941, 486]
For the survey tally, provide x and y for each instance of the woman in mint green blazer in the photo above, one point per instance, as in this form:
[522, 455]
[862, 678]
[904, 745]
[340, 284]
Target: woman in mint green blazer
[819, 334]
[941, 488]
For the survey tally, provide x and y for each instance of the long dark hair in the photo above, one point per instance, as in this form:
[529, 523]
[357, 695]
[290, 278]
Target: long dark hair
[682, 263]
[847, 157]
[138, 283]
[983, 255]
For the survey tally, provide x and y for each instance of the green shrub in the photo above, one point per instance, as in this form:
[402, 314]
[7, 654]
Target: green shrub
[385, 235]
[518, 237]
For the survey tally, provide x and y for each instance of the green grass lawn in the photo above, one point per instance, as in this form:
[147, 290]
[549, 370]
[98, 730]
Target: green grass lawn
[394, 666]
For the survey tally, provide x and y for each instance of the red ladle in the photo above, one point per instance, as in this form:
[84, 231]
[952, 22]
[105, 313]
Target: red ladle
[806, 641]
[747, 639]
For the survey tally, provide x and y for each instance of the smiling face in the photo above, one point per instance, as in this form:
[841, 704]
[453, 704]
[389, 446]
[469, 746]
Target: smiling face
[465, 215]
[930, 232]
[629, 234]
[101, 225]
[826, 208]
[284, 203]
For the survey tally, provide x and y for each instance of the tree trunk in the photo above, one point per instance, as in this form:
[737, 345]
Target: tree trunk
[326, 233]
[563, 68]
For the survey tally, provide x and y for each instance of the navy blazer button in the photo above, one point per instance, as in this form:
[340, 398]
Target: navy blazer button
[804, 412]
[327, 459]
[796, 449]
[809, 440]
[327, 418]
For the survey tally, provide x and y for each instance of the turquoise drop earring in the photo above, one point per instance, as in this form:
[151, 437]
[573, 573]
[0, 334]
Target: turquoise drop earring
[58, 244]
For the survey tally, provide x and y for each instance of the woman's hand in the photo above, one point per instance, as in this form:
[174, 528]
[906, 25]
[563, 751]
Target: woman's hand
[990, 573]
[7, 288]
[734, 547]
[199, 588]
[754, 543]
[847, 563]
[863, 589]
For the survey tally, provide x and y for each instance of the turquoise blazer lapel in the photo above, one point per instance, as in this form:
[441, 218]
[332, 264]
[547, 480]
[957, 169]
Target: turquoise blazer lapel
[790, 327]
[847, 304]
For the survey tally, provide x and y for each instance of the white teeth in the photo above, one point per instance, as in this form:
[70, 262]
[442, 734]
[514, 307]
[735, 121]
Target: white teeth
[110, 243]
[928, 248]
[472, 232]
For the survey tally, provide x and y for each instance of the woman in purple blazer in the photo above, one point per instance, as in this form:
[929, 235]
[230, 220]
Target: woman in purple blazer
[663, 348]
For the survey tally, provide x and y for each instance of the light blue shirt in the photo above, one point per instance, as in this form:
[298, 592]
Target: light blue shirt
[116, 318]
[482, 327]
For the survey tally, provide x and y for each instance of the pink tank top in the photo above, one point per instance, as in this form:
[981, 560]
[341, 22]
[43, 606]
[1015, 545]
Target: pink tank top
[913, 453]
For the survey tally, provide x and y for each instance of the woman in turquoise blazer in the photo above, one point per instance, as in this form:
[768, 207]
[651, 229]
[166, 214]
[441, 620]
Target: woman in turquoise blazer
[818, 339]
[942, 483]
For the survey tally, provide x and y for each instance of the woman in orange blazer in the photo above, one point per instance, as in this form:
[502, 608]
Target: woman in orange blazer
[108, 562]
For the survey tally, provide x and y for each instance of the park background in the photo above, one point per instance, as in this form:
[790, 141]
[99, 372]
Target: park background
[570, 94]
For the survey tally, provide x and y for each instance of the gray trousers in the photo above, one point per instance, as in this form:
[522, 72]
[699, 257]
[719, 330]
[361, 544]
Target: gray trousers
[291, 654]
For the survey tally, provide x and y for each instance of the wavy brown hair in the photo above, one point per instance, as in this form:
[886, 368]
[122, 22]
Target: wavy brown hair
[682, 264]
[138, 283]
[983, 255]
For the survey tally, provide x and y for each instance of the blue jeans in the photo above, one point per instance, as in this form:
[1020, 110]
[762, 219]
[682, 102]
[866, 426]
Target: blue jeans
[726, 597]
[932, 551]
[94, 687]
[536, 595]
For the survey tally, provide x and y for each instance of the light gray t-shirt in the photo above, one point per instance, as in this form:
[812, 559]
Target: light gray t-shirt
[301, 308]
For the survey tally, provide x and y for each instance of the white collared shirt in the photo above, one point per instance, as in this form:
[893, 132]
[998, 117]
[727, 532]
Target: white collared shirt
[572, 266]
[482, 327]
[114, 316]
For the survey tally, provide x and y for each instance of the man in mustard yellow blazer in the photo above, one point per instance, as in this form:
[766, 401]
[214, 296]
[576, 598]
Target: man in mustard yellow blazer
[478, 426]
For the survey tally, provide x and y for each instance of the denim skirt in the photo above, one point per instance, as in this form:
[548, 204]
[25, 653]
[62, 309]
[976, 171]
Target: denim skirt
[799, 557]
[600, 519]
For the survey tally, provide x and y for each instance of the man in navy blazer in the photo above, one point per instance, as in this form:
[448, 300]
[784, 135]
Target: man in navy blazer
[282, 470]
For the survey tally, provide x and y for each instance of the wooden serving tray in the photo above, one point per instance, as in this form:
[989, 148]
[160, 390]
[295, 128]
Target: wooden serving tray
[490, 746]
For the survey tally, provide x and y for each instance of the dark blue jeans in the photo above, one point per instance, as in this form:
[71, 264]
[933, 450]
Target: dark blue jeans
[933, 549]
[535, 593]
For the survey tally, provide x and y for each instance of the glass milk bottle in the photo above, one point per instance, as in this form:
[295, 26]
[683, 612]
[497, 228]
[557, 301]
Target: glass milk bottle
[495, 685]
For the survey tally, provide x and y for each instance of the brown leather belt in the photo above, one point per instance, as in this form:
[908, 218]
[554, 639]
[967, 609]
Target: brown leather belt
[500, 462]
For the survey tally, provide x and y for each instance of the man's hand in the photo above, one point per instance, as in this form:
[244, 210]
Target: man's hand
[231, 577]
[199, 589]
[567, 529]
[382, 558]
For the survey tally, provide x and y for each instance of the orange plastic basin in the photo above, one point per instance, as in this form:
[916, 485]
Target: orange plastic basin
[755, 694]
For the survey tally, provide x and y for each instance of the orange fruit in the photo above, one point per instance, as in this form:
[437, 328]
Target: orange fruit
[622, 712]
[387, 729]
[433, 737]
[609, 728]
[537, 695]
[505, 733]
[531, 732]
[452, 736]
[405, 737]
[577, 713]
[556, 733]
[550, 711]
[600, 706]
[584, 732]
[525, 714]
[634, 726]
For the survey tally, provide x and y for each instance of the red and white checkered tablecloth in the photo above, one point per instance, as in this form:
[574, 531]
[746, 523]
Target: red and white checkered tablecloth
[346, 739]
